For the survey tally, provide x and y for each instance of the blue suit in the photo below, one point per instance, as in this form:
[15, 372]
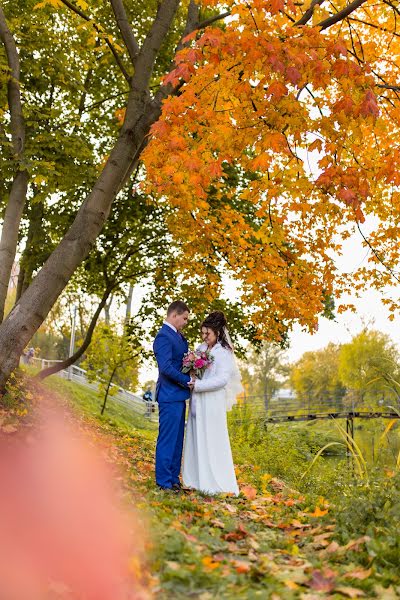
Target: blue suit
[171, 392]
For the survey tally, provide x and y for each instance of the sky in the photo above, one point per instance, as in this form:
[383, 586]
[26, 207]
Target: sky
[369, 309]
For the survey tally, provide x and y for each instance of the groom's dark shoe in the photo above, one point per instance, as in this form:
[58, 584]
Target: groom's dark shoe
[167, 489]
[177, 486]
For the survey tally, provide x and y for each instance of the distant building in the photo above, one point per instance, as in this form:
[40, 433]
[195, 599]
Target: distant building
[284, 394]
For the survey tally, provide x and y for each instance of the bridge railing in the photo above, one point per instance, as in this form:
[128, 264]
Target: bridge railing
[255, 408]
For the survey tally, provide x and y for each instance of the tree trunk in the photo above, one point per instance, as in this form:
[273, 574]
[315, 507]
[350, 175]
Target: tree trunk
[107, 307]
[19, 187]
[9, 234]
[34, 240]
[129, 303]
[86, 343]
[107, 390]
[33, 307]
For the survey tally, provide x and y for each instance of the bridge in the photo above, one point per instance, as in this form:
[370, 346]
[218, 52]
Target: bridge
[286, 410]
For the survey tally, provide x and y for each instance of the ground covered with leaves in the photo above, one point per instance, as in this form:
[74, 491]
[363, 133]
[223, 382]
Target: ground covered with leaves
[270, 542]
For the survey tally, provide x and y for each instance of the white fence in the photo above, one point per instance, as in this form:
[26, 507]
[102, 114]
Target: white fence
[123, 397]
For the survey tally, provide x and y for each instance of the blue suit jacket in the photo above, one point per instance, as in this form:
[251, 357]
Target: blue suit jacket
[169, 348]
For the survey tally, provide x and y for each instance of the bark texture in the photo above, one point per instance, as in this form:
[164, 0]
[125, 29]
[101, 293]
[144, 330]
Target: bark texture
[19, 186]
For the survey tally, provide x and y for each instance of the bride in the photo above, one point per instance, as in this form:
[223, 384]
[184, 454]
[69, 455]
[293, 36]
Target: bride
[207, 462]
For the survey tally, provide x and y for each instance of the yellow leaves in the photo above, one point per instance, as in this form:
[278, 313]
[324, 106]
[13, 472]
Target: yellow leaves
[320, 512]
[39, 179]
[319, 14]
[53, 3]
[209, 563]
[82, 4]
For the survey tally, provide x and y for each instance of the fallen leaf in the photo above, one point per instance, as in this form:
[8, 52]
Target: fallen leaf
[249, 492]
[254, 544]
[219, 556]
[385, 593]
[358, 574]
[318, 512]
[320, 583]
[276, 485]
[291, 585]
[241, 566]
[210, 563]
[218, 523]
[350, 592]
[333, 547]
[298, 525]
[296, 575]
[239, 533]
[355, 544]
[230, 508]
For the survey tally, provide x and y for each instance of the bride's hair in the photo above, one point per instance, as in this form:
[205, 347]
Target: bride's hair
[218, 323]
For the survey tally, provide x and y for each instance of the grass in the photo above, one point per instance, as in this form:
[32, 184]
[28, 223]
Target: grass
[89, 403]
[283, 537]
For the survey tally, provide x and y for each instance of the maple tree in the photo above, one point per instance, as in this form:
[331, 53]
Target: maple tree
[304, 101]
[295, 96]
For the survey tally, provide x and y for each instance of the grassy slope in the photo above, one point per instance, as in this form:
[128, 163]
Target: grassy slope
[271, 542]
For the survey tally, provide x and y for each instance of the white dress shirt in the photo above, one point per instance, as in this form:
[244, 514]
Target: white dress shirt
[172, 326]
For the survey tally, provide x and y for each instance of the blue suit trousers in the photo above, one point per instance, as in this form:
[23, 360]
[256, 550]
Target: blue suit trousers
[170, 442]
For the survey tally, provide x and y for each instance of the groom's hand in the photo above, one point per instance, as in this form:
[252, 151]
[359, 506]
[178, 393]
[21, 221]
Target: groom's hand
[191, 383]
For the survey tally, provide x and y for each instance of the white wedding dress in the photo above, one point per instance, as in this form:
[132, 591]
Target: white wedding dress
[207, 460]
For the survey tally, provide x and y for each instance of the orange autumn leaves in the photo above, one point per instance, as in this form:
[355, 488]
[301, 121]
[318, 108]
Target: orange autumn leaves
[296, 112]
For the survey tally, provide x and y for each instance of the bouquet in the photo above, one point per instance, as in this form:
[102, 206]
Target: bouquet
[197, 361]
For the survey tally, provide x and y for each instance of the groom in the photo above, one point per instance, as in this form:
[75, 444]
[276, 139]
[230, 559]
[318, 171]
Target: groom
[173, 388]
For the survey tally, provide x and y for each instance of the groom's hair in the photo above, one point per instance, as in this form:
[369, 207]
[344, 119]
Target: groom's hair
[178, 306]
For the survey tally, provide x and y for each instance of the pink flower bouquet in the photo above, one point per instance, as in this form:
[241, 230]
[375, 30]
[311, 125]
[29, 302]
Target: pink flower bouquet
[197, 361]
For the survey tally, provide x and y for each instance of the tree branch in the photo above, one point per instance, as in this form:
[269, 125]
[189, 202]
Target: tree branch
[212, 20]
[380, 259]
[192, 19]
[152, 43]
[97, 28]
[309, 12]
[125, 29]
[14, 93]
[379, 27]
[342, 14]
[60, 366]
[387, 86]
